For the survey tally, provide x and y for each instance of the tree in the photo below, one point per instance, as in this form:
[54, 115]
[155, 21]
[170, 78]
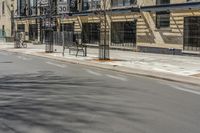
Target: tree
[102, 13]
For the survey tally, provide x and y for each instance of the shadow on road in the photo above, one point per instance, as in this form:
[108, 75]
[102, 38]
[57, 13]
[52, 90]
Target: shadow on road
[45, 103]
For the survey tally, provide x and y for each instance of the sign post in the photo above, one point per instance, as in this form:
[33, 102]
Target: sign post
[62, 9]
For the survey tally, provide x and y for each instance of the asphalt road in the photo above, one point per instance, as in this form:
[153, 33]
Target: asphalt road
[39, 95]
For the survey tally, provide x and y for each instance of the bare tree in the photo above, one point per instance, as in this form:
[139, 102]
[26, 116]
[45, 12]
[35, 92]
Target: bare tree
[102, 12]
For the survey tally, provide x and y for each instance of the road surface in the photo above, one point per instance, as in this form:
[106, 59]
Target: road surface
[39, 95]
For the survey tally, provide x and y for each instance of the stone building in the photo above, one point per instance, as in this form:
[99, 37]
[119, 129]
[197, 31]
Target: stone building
[163, 26]
[7, 8]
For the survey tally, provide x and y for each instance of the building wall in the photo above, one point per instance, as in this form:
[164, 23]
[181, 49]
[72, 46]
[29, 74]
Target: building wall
[153, 2]
[5, 18]
[171, 37]
[146, 33]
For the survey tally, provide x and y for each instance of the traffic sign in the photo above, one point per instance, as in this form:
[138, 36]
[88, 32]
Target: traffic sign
[63, 7]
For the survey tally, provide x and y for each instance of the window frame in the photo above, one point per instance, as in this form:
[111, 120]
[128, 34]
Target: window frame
[125, 34]
[160, 19]
[122, 3]
[91, 31]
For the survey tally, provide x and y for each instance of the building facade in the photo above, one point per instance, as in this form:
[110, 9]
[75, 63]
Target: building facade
[6, 18]
[164, 26]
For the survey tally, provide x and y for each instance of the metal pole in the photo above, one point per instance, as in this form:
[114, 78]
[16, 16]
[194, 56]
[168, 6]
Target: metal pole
[63, 43]
[105, 32]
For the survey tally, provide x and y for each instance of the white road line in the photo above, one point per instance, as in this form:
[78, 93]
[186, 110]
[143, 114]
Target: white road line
[23, 58]
[55, 64]
[186, 90]
[117, 77]
[93, 73]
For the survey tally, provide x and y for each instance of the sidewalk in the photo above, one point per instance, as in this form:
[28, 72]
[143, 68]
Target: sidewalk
[170, 67]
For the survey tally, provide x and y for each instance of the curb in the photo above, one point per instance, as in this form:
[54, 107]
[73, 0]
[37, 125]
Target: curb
[151, 74]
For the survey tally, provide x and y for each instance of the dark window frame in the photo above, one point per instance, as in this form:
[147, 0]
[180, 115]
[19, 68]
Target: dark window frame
[191, 39]
[94, 4]
[162, 19]
[121, 3]
[91, 33]
[32, 8]
[124, 32]
[21, 7]
[21, 27]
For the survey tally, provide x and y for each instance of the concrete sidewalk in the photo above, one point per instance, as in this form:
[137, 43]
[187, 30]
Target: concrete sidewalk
[170, 67]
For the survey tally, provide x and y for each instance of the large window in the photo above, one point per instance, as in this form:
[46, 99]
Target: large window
[32, 7]
[123, 33]
[162, 20]
[119, 3]
[21, 6]
[192, 33]
[91, 4]
[91, 33]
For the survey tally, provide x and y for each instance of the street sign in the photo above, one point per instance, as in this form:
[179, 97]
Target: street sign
[43, 2]
[63, 7]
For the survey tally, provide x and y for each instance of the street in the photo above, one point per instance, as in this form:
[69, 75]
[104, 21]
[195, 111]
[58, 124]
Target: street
[40, 95]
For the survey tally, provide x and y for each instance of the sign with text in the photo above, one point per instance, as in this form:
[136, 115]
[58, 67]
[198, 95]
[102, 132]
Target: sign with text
[63, 7]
